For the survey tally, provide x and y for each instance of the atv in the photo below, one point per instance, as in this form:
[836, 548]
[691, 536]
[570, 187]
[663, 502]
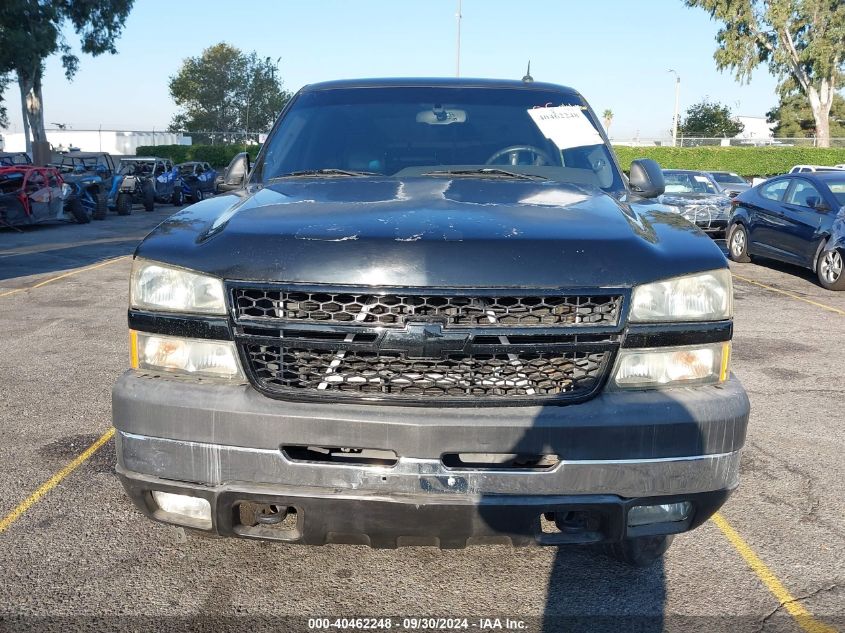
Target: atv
[88, 177]
[145, 180]
[198, 180]
[13, 159]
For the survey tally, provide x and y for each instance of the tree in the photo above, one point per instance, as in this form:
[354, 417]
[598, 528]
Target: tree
[4, 83]
[32, 30]
[607, 117]
[802, 41]
[709, 119]
[227, 91]
[794, 117]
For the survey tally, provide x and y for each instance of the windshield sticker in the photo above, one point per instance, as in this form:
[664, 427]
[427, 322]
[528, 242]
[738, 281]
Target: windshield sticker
[566, 126]
[701, 179]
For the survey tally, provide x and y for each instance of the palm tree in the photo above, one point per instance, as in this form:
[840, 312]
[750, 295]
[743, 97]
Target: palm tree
[607, 115]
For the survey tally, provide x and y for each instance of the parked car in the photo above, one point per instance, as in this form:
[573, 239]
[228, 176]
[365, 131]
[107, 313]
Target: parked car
[88, 178]
[729, 183]
[145, 180]
[198, 180]
[29, 195]
[804, 169]
[799, 219]
[697, 197]
[10, 159]
[435, 313]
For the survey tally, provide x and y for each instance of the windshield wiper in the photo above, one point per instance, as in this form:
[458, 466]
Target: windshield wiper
[485, 171]
[324, 172]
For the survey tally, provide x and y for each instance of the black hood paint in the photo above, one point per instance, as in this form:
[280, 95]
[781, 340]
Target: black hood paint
[431, 231]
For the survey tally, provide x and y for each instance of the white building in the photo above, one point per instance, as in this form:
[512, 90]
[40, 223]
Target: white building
[756, 128]
[111, 141]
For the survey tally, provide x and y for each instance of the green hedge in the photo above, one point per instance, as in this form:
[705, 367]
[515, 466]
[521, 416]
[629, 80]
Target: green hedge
[745, 161]
[217, 155]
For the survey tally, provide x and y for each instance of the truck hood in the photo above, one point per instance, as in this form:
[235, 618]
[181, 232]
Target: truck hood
[431, 231]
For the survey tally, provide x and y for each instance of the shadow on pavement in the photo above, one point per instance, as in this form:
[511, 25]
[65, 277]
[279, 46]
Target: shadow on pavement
[587, 589]
[55, 248]
[788, 269]
[62, 259]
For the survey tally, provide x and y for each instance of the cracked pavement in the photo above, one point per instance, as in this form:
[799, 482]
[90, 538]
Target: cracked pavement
[84, 551]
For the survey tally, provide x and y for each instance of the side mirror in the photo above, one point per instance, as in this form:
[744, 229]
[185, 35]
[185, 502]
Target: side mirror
[822, 206]
[646, 179]
[236, 172]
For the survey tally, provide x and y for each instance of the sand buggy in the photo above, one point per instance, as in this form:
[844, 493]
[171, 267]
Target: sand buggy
[145, 181]
[198, 180]
[12, 159]
[88, 178]
[29, 195]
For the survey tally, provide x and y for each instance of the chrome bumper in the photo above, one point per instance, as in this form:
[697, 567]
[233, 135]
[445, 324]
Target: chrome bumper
[218, 465]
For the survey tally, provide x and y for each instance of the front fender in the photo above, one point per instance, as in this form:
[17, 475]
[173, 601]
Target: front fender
[837, 232]
[739, 215]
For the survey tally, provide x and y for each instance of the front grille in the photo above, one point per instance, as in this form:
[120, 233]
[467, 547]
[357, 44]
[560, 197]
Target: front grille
[395, 374]
[455, 311]
[473, 348]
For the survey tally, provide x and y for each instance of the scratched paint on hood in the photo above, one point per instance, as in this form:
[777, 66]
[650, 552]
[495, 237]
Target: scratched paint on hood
[430, 231]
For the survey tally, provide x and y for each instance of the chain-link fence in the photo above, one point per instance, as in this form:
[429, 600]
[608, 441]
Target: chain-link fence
[724, 142]
[210, 137]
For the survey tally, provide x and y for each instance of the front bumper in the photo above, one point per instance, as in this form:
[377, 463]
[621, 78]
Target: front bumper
[713, 227]
[620, 449]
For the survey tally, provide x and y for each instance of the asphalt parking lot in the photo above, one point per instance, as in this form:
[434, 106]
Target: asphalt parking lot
[77, 554]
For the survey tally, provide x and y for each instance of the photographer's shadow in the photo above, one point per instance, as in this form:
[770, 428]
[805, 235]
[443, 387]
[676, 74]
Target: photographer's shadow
[588, 587]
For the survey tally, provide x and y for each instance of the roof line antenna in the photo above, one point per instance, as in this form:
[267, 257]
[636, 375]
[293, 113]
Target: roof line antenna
[528, 78]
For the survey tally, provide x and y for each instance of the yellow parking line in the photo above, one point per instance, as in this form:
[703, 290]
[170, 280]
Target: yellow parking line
[788, 294]
[803, 618]
[53, 481]
[63, 275]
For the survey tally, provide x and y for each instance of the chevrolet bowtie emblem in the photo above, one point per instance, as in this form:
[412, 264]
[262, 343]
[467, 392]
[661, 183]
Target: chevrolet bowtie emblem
[423, 340]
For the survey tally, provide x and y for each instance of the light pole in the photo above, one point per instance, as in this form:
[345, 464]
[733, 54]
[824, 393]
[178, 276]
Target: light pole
[677, 105]
[458, 48]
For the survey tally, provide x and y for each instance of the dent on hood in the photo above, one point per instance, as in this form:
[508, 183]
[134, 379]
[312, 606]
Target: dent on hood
[249, 200]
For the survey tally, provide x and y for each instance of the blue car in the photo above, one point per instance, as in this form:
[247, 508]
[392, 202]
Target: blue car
[795, 218]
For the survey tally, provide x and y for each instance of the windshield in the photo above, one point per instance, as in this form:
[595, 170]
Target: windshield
[14, 159]
[680, 182]
[139, 167]
[420, 131]
[186, 170]
[837, 188]
[728, 179]
[88, 163]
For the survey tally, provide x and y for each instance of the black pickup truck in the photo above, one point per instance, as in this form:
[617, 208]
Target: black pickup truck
[436, 313]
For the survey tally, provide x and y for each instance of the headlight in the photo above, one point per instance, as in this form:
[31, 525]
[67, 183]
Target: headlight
[700, 297]
[194, 357]
[160, 287]
[676, 366]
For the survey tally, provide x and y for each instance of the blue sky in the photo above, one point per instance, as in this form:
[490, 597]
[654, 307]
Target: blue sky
[616, 52]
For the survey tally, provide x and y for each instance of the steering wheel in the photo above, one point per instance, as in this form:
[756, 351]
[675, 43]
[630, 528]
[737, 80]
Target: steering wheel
[541, 157]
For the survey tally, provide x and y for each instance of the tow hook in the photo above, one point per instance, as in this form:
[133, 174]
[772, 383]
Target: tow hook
[270, 514]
